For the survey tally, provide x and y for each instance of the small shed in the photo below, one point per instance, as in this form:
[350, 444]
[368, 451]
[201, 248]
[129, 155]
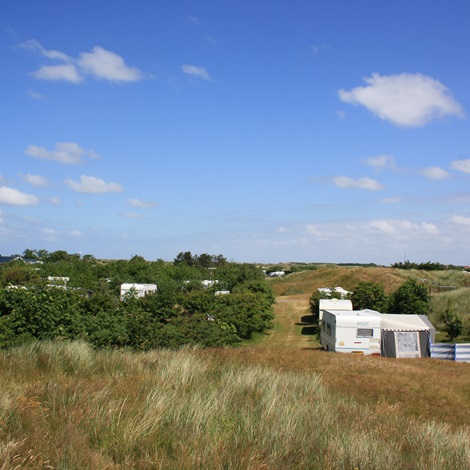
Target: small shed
[405, 336]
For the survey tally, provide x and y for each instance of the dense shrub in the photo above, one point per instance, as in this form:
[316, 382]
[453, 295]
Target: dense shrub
[182, 312]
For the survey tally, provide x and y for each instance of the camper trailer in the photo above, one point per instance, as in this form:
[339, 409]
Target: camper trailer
[406, 335]
[351, 331]
[333, 304]
[140, 290]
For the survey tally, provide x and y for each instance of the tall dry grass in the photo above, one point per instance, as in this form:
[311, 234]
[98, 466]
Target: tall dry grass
[65, 406]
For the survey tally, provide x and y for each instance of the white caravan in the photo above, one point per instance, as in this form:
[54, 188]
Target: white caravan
[333, 304]
[351, 331]
[140, 290]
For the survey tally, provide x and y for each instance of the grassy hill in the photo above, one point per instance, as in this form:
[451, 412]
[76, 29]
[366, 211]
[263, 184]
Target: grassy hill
[278, 403]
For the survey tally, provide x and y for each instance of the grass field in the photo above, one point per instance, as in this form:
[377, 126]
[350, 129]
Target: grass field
[277, 403]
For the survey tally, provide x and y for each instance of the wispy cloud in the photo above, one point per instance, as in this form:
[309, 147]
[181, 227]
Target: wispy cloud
[195, 71]
[34, 180]
[132, 215]
[435, 173]
[319, 48]
[346, 182]
[408, 100]
[461, 165]
[93, 185]
[13, 197]
[134, 202]
[381, 162]
[99, 64]
[36, 95]
[64, 152]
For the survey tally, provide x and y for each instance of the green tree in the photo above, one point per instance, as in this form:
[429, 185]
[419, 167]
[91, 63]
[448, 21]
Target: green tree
[369, 294]
[452, 323]
[410, 298]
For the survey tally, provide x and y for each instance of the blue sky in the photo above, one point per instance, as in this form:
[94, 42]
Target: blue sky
[267, 131]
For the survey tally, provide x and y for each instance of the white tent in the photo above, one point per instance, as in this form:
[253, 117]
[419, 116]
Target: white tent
[406, 335]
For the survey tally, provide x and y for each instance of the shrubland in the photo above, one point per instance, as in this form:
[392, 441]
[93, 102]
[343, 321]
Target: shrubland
[88, 305]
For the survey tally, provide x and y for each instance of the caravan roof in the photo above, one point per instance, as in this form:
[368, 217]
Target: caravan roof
[354, 318]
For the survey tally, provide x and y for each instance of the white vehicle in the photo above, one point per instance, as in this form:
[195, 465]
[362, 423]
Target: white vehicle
[333, 304]
[139, 290]
[351, 331]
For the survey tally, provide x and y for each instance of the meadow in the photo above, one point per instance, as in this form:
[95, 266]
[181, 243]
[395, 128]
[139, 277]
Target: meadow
[277, 402]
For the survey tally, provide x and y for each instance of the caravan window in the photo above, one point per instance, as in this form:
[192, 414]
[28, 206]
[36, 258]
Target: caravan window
[328, 329]
[365, 333]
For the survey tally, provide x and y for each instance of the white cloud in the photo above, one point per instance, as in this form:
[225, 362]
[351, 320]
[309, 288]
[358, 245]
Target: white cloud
[51, 234]
[93, 185]
[461, 220]
[435, 173]
[55, 201]
[199, 72]
[34, 46]
[99, 63]
[76, 233]
[64, 152]
[35, 95]
[402, 229]
[380, 162]
[35, 180]
[312, 229]
[318, 48]
[461, 165]
[408, 100]
[141, 204]
[13, 197]
[54, 73]
[357, 183]
[107, 65]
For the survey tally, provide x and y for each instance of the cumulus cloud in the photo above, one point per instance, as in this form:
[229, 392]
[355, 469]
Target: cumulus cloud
[346, 182]
[408, 100]
[401, 229]
[461, 165]
[461, 220]
[134, 202]
[381, 162]
[55, 73]
[435, 173]
[13, 197]
[198, 72]
[64, 152]
[35, 180]
[107, 65]
[93, 185]
[99, 63]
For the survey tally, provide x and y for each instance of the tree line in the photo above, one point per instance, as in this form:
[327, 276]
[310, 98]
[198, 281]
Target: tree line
[181, 312]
